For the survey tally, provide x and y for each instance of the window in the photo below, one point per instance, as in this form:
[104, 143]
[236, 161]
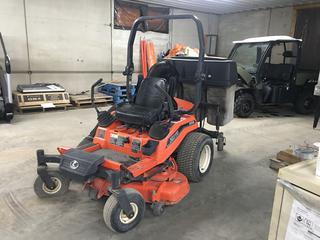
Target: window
[125, 13]
[283, 53]
[277, 54]
[211, 44]
[248, 55]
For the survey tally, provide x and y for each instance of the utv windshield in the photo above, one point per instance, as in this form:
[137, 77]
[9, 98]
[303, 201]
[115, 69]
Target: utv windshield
[248, 55]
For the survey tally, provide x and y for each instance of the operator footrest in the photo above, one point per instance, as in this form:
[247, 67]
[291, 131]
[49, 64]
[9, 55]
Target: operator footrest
[80, 165]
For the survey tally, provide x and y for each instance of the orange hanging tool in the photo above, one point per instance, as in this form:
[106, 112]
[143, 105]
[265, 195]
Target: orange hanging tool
[150, 54]
[143, 52]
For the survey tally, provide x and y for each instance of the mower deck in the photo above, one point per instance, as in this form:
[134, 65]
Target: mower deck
[127, 158]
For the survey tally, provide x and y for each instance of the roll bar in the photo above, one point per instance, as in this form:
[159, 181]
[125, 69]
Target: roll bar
[199, 75]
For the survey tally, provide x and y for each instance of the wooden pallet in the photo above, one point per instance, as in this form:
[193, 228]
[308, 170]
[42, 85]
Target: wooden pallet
[283, 158]
[276, 164]
[21, 109]
[85, 99]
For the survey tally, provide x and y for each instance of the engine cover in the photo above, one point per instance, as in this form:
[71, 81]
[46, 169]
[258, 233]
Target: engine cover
[80, 165]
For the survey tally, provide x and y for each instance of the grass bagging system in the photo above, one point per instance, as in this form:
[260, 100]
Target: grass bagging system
[148, 149]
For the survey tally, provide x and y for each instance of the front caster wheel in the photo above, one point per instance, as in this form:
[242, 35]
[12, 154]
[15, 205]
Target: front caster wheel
[114, 216]
[61, 185]
[220, 143]
[157, 209]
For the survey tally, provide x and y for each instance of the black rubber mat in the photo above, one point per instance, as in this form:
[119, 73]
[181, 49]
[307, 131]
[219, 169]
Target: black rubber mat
[116, 156]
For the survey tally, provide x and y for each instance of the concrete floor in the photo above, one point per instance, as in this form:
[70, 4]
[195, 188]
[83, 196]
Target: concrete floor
[233, 202]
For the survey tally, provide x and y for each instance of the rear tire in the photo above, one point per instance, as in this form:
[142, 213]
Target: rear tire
[305, 103]
[61, 185]
[114, 216]
[195, 156]
[244, 105]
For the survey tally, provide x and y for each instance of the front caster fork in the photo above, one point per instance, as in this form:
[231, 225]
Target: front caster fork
[123, 202]
[42, 168]
[43, 173]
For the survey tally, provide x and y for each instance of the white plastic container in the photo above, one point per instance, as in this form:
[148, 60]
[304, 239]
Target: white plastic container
[317, 144]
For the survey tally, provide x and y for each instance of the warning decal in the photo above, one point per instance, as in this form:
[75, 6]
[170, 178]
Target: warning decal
[304, 224]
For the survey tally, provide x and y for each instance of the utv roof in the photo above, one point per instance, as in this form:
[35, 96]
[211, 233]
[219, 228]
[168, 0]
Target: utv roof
[269, 39]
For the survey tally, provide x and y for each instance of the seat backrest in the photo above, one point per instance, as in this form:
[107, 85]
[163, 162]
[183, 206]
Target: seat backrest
[148, 95]
[166, 70]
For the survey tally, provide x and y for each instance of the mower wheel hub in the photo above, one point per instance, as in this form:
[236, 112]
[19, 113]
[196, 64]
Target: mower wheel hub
[205, 158]
[128, 219]
[57, 184]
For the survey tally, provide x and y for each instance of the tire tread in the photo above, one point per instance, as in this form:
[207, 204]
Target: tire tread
[186, 155]
[37, 186]
[110, 205]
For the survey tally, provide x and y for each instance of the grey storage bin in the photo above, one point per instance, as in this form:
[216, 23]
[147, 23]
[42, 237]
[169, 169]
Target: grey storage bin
[217, 98]
[224, 97]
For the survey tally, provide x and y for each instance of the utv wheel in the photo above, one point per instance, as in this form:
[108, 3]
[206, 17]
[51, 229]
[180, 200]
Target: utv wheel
[116, 219]
[305, 103]
[244, 105]
[61, 185]
[195, 156]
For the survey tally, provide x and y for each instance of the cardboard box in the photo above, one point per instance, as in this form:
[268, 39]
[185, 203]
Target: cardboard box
[296, 207]
[34, 99]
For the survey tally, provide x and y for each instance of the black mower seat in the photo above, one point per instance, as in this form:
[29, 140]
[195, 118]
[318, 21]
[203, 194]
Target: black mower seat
[137, 115]
[148, 105]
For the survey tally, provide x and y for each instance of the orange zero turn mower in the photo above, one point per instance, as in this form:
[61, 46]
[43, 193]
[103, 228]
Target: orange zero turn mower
[146, 150]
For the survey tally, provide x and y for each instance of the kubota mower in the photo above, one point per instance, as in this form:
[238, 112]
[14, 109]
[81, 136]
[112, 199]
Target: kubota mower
[148, 149]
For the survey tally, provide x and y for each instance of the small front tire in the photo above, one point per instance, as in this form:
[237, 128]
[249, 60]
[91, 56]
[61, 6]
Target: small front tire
[157, 209]
[61, 185]
[220, 143]
[116, 219]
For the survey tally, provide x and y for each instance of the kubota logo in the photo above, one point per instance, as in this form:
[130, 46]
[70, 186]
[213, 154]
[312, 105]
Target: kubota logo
[74, 164]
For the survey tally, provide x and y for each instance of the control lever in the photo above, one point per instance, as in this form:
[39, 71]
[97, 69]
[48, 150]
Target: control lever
[92, 94]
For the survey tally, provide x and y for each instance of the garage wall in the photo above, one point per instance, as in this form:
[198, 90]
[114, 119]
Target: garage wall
[243, 25]
[73, 42]
[185, 31]
[12, 26]
[68, 40]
